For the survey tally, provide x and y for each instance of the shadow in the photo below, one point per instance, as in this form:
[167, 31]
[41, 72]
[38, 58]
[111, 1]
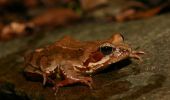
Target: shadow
[39, 78]
[7, 92]
[117, 66]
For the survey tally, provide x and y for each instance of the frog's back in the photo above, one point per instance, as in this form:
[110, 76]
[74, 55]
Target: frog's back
[65, 49]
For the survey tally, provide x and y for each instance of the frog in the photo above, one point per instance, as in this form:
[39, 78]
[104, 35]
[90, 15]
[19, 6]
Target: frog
[76, 61]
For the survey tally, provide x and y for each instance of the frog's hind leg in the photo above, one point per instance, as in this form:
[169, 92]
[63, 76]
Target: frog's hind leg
[33, 74]
[72, 77]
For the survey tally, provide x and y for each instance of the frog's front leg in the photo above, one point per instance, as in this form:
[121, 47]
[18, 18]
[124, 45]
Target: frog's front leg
[136, 55]
[71, 77]
[47, 79]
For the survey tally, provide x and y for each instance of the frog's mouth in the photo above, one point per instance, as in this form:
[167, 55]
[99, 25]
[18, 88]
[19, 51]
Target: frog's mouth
[116, 56]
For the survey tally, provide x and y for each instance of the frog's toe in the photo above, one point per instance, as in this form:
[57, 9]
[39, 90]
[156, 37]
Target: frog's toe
[44, 79]
[55, 89]
[87, 81]
[65, 82]
[137, 54]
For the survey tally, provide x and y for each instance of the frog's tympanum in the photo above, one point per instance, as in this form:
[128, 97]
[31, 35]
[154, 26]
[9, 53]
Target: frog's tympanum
[75, 61]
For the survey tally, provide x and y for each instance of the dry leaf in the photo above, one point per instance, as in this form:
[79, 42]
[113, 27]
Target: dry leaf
[91, 4]
[55, 17]
[4, 2]
[130, 13]
[31, 3]
[14, 29]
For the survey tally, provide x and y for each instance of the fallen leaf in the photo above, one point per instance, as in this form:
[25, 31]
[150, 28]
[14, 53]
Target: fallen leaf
[55, 17]
[31, 3]
[4, 2]
[91, 4]
[139, 11]
[14, 29]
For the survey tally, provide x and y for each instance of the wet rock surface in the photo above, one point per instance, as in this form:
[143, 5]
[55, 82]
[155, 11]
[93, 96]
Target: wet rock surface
[126, 80]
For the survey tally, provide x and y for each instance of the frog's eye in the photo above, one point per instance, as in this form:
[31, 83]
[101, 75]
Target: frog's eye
[107, 49]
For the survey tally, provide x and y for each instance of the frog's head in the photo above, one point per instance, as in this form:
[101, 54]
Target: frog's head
[108, 52]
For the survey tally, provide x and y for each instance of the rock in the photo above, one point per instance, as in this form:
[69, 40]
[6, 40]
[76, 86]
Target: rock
[127, 80]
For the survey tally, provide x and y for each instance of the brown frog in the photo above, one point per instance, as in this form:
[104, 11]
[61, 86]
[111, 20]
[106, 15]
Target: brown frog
[75, 61]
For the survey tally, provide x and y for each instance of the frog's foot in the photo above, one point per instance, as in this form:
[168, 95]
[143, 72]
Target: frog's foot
[137, 54]
[68, 81]
[86, 81]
